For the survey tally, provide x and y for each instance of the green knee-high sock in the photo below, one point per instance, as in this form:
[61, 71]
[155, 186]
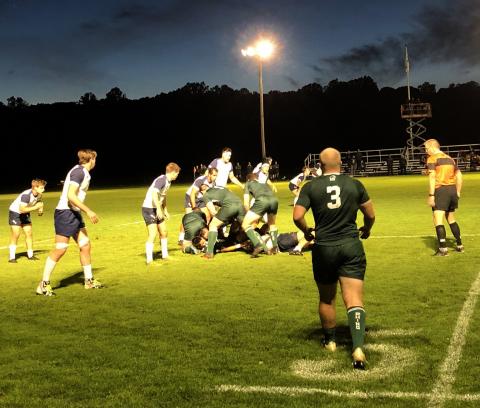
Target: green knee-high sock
[262, 242]
[212, 239]
[252, 237]
[274, 235]
[356, 321]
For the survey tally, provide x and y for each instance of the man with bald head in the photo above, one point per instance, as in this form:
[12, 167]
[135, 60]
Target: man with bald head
[445, 186]
[337, 255]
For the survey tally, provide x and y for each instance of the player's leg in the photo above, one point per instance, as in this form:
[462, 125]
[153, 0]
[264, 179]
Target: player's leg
[151, 235]
[327, 313]
[15, 231]
[438, 216]
[163, 233]
[27, 229]
[61, 245]
[273, 231]
[215, 224]
[85, 248]
[247, 226]
[455, 228]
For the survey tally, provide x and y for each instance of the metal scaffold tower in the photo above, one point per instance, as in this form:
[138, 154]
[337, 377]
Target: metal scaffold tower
[415, 112]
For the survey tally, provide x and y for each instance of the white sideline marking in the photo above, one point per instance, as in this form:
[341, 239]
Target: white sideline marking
[294, 391]
[413, 236]
[443, 386]
[22, 245]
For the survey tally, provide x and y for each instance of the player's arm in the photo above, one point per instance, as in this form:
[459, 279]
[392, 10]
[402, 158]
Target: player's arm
[431, 188]
[272, 186]
[157, 202]
[459, 182]
[25, 208]
[368, 218]
[301, 223]
[246, 201]
[211, 208]
[193, 196]
[234, 180]
[72, 196]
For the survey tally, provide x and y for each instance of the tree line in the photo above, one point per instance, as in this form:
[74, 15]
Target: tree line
[136, 138]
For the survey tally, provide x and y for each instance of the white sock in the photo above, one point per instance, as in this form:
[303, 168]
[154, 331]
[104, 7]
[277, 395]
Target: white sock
[30, 253]
[181, 236]
[295, 200]
[12, 249]
[49, 267]
[87, 271]
[149, 251]
[163, 243]
[297, 249]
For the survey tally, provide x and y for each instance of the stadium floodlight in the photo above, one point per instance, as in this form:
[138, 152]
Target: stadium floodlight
[262, 50]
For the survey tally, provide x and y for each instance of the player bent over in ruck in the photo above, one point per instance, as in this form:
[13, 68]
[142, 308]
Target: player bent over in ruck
[265, 203]
[337, 254]
[69, 222]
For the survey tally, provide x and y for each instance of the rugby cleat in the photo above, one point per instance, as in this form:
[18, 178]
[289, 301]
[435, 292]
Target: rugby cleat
[44, 289]
[207, 256]
[12, 260]
[92, 284]
[329, 345]
[33, 258]
[256, 251]
[460, 248]
[359, 359]
[441, 252]
[295, 252]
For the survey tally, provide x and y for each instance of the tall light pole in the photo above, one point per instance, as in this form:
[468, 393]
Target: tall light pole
[262, 50]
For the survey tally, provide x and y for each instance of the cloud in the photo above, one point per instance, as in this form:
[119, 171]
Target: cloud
[293, 82]
[441, 34]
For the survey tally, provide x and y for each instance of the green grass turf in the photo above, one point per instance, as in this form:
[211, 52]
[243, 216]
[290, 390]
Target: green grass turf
[169, 334]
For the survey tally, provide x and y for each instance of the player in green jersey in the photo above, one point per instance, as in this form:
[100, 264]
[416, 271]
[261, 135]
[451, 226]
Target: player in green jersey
[337, 254]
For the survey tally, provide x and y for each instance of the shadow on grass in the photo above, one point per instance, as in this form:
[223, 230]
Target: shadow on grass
[432, 243]
[25, 255]
[343, 337]
[75, 279]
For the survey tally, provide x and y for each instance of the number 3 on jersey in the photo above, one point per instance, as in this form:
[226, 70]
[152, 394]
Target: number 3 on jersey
[335, 197]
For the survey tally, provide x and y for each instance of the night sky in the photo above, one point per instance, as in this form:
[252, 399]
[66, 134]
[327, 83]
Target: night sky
[58, 50]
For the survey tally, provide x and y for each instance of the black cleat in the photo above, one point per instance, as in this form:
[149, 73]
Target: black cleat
[256, 251]
[12, 260]
[295, 252]
[460, 248]
[33, 258]
[441, 252]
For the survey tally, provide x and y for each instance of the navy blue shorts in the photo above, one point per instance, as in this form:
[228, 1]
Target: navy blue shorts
[150, 216]
[17, 219]
[293, 187]
[68, 223]
[199, 203]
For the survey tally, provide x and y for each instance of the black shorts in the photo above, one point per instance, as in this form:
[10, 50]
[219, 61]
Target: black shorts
[68, 223]
[446, 199]
[332, 261]
[18, 219]
[199, 203]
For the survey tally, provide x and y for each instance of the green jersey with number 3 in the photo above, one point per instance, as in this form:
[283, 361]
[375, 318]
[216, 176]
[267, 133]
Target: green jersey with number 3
[334, 200]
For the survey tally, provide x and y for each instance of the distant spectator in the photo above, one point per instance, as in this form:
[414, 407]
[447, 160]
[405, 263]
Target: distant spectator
[238, 170]
[249, 168]
[390, 165]
[402, 164]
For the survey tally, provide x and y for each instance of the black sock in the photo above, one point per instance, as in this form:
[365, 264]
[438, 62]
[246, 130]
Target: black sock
[329, 334]
[441, 235]
[456, 232]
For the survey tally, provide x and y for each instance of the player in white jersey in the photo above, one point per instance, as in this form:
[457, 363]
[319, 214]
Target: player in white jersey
[69, 222]
[19, 217]
[155, 213]
[225, 169]
[295, 184]
[193, 197]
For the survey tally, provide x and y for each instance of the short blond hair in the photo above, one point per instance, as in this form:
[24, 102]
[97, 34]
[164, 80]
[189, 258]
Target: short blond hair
[432, 143]
[38, 182]
[85, 155]
[172, 167]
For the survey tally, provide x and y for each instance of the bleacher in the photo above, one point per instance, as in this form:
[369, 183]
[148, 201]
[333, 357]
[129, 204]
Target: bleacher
[374, 162]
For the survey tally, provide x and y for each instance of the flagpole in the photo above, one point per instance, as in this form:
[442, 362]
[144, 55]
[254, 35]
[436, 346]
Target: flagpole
[407, 70]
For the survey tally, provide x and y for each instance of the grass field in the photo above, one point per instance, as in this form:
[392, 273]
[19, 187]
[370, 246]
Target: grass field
[237, 331]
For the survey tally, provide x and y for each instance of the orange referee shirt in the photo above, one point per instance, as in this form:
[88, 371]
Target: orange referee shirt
[444, 167]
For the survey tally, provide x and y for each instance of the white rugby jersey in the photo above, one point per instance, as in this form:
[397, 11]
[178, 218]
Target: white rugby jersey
[198, 183]
[297, 180]
[223, 169]
[79, 176]
[261, 176]
[25, 197]
[159, 186]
